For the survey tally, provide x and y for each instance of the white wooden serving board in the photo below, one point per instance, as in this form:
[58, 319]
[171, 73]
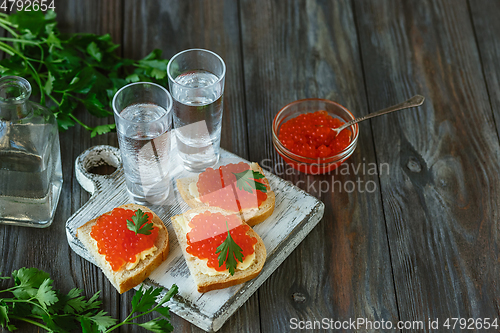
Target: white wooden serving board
[295, 215]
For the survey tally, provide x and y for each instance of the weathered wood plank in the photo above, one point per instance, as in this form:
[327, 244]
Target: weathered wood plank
[441, 198]
[486, 24]
[173, 26]
[301, 49]
[99, 17]
[47, 249]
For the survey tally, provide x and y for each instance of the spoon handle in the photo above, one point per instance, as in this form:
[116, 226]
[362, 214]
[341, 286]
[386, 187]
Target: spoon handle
[414, 101]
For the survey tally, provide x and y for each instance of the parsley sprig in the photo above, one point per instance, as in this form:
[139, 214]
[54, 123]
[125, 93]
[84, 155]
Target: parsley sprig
[66, 71]
[247, 181]
[229, 252]
[139, 223]
[35, 301]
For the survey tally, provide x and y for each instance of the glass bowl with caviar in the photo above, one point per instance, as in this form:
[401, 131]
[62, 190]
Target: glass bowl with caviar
[303, 135]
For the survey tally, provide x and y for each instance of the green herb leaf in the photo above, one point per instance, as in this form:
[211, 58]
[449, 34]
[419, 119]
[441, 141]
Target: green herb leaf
[94, 51]
[229, 252]
[66, 70]
[102, 320]
[49, 84]
[133, 78]
[28, 280]
[88, 326]
[101, 129]
[158, 326]
[143, 301]
[64, 121]
[45, 295]
[4, 316]
[95, 107]
[164, 311]
[247, 181]
[139, 223]
[93, 302]
[74, 301]
[83, 81]
[54, 311]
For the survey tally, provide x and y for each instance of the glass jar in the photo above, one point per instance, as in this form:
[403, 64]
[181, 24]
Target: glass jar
[30, 157]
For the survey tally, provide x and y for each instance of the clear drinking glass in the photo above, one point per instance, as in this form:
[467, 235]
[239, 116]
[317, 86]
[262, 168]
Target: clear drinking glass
[30, 157]
[143, 123]
[196, 79]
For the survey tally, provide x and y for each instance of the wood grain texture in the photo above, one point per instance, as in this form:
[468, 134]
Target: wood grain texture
[441, 198]
[47, 249]
[302, 49]
[99, 17]
[174, 26]
[295, 214]
[424, 244]
[486, 27]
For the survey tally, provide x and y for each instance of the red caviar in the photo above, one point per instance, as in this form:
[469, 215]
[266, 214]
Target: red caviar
[209, 230]
[310, 135]
[116, 242]
[218, 188]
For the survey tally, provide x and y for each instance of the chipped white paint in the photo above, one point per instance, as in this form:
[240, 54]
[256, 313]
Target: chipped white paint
[295, 215]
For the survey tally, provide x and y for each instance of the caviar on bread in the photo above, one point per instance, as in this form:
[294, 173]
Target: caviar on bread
[220, 249]
[127, 243]
[237, 187]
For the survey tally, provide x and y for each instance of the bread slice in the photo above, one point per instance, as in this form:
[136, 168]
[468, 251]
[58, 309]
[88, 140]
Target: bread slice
[250, 216]
[124, 279]
[206, 282]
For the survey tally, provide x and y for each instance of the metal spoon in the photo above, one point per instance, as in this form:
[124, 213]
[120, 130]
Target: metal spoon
[412, 102]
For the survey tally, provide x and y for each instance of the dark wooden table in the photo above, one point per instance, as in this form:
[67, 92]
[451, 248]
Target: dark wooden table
[417, 237]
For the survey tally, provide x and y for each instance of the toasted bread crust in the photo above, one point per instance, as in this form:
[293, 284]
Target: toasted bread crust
[125, 280]
[205, 282]
[265, 209]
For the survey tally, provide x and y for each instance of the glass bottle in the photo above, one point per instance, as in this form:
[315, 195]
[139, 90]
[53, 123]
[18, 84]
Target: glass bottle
[30, 157]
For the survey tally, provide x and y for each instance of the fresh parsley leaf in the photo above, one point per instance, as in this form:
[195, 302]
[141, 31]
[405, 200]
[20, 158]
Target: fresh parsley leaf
[247, 181]
[229, 252]
[143, 301]
[88, 326]
[102, 320]
[27, 281]
[83, 81]
[101, 129]
[139, 223]
[64, 121]
[4, 316]
[169, 294]
[133, 78]
[93, 302]
[164, 311]
[54, 311]
[66, 70]
[74, 301]
[94, 51]
[49, 84]
[45, 295]
[95, 107]
[158, 326]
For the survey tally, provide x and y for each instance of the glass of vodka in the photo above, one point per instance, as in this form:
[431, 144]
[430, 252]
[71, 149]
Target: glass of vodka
[143, 122]
[30, 157]
[196, 79]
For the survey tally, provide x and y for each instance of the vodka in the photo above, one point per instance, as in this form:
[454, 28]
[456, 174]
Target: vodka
[198, 117]
[30, 158]
[30, 175]
[144, 150]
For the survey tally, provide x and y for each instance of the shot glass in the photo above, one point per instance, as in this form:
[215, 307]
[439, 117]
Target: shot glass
[143, 120]
[196, 80]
